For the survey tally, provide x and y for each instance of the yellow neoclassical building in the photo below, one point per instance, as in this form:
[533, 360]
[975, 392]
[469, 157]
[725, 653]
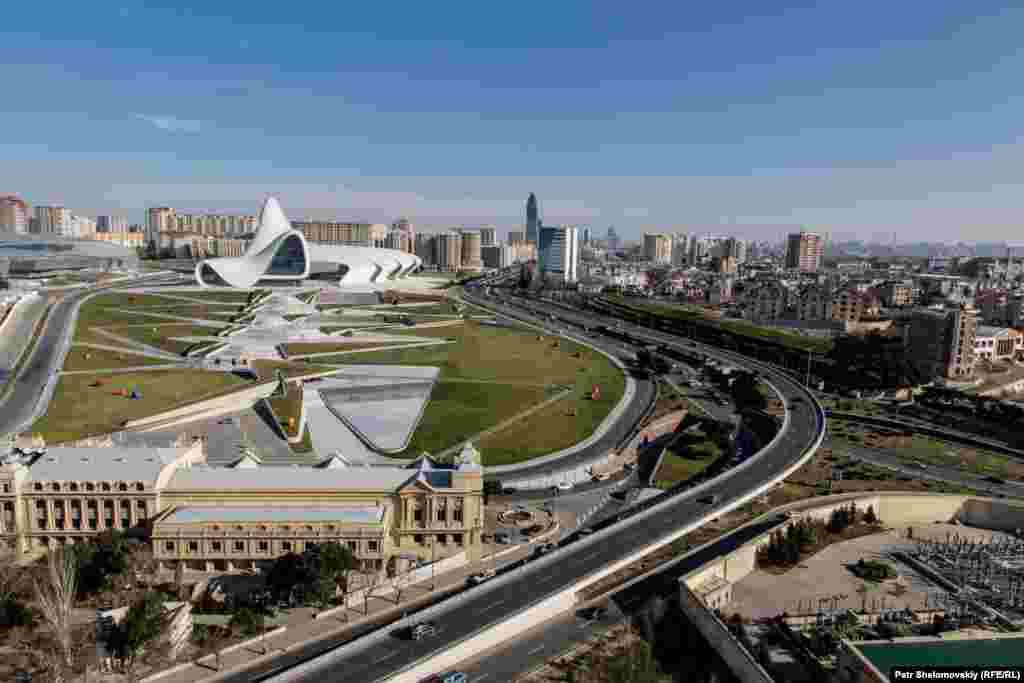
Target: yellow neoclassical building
[226, 518]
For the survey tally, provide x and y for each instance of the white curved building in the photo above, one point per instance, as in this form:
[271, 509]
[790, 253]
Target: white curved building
[279, 253]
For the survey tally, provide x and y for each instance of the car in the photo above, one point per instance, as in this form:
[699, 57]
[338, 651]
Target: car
[480, 577]
[995, 480]
[424, 629]
[543, 549]
[453, 677]
[562, 486]
[709, 499]
[592, 613]
[503, 538]
[920, 466]
[586, 532]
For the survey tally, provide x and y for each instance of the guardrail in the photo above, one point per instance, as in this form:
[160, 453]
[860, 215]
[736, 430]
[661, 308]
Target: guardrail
[635, 515]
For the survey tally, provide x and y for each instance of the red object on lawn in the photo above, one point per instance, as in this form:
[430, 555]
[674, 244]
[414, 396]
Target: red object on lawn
[595, 393]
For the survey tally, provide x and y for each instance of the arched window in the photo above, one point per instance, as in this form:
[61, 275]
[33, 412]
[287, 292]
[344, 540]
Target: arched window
[55, 486]
[73, 486]
[89, 486]
[139, 486]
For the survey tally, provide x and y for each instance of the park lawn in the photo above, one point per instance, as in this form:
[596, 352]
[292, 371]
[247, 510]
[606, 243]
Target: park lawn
[691, 454]
[85, 358]
[495, 354]
[552, 429]
[459, 410]
[740, 327]
[333, 346]
[288, 408]
[160, 335]
[66, 420]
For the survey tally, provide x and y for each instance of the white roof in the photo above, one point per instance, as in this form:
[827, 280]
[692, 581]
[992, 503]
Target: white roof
[98, 463]
[300, 478]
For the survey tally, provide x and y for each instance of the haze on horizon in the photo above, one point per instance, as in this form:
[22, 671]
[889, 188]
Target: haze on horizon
[856, 119]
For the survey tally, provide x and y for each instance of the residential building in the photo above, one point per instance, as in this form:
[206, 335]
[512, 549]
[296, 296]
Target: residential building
[895, 294]
[516, 236]
[940, 340]
[853, 305]
[15, 214]
[680, 249]
[803, 251]
[613, 239]
[657, 248]
[111, 224]
[726, 265]
[448, 251]
[997, 343]
[765, 301]
[523, 251]
[813, 302]
[158, 220]
[558, 253]
[403, 225]
[351, 234]
[424, 248]
[53, 220]
[488, 236]
[532, 219]
[471, 251]
[497, 256]
[131, 240]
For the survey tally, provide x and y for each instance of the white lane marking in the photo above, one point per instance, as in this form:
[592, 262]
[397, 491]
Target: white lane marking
[491, 606]
[535, 650]
[385, 657]
[587, 557]
[479, 678]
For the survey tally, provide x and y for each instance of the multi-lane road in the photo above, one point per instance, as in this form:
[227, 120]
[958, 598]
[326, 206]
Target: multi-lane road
[379, 657]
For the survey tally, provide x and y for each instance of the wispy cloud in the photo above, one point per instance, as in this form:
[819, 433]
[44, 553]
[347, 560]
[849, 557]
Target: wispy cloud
[171, 124]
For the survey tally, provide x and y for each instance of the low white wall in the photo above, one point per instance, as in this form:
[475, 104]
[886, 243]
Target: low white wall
[741, 662]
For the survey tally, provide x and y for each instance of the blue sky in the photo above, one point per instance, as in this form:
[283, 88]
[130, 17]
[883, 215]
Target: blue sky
[749, 117]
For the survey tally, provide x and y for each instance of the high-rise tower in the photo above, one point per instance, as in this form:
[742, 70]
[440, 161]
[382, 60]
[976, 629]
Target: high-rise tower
[532, 219]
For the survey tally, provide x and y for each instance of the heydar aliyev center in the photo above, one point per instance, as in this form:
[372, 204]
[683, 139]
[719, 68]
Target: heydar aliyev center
[280, 254]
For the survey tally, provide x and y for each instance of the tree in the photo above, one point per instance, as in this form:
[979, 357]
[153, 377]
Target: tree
[290, 571]
[492, 487]
[248, 620]
[142, 625]
[869, 515]
[333, 559]
[637, 665]
[56, 598]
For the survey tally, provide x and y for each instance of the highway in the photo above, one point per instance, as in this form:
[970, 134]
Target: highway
[378, 658]
[44, 359]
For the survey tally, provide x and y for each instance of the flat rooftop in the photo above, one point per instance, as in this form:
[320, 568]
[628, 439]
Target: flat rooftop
[297, 478]
[101, 463]
[348, 514]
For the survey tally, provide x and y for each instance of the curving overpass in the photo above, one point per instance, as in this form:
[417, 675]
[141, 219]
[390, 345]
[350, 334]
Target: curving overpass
[516, 600]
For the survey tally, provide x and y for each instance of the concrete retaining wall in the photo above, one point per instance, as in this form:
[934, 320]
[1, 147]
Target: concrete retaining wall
[993, 514]
[741, 662]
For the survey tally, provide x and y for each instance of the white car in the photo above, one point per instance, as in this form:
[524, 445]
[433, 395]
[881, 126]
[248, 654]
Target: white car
[564, 486]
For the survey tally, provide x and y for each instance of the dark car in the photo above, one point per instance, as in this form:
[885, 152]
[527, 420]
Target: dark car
[710, 499]
[592, 613]
[424, 629]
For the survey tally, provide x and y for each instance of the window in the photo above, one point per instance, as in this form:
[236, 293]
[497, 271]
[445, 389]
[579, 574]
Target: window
[286, 546]
[105, 486]
[239, 546]
[169, 546]
[458, 514]
[417, 539]
[373, 546]
[72, 486]
[289, 259]
[442, 539]
[122, 486]
[7, 488]
[37, 486]
[55, 486]
[353, 546]
[216, 546]
[457, 538]
[139, 486]
[441, 514]
[193, 546]
[417, 515]
[263, 546]
[89, 486]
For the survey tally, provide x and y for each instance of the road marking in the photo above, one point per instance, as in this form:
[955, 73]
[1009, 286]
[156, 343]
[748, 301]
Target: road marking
[587, 557]
[491, 606]
[385, 657]
[535, 650]
[479, 678]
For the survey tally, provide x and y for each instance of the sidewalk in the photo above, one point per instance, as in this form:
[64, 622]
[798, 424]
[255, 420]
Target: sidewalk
[630, 454]
[302, 628]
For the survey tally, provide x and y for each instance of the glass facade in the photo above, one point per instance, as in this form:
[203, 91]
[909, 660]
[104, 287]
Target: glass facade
[290, 258]
[210, 277]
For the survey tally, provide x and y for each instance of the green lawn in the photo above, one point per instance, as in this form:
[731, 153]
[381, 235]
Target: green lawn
[740, 327]
[691, 454]
[331, 346]
[85, 358]
[158, 335]
[161, 390]
[458, 410]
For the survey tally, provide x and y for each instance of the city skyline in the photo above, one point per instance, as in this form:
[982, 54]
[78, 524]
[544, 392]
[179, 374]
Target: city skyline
[746, 119]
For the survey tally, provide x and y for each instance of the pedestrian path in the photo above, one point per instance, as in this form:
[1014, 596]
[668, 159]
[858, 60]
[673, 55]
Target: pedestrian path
[131, 343]
[303, 629]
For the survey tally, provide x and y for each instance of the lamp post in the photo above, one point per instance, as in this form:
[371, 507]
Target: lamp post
[810, 355]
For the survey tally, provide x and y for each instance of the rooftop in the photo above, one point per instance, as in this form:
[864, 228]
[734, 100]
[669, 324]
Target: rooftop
[100, 463]
[349, 514]
[991, 331]
[300, 478]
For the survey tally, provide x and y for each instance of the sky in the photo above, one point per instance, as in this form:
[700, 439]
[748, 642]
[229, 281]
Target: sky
[860, 119]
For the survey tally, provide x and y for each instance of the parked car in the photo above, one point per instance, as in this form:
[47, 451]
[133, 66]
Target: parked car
[920, 466]
[480, 577]
[424, 629]
[503, 538]
[709, 499]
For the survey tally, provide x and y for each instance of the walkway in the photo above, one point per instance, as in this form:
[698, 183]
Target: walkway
[302, 629]
[200, 322]
[115, 349]
[131, 343]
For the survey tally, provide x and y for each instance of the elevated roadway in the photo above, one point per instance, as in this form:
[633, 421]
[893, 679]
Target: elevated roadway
[511, 603]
